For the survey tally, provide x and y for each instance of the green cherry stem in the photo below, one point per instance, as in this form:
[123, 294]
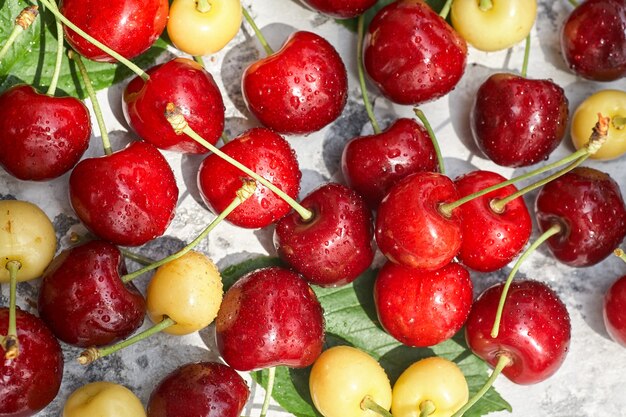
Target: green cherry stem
[503, 361]
[203, 6]
[596, 140]
[175, 117]
[92, 354]
[526, 56]
[224, 138]
[199, 60]
[485, 5]
[420, 115]
[22, 22]
[133, 67]
[11, 346]
[368, 403]
[573, 3]
[268, 392]
[245, 192]
[59, 56]
[136, 257]
[359, 62]
[106, 144]
[553, 230]
[427, 408]
[445, 10]
[620, 254]
[257, 31]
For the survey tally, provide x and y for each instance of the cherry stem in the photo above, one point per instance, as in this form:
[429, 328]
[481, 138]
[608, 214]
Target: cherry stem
[420, 115]
[268, 392]
[11, 346]
[620, 254]
[574, 3]
[503, 361]
[143, 260]
[245, 192]
[59, 57]
[257, 31]
[133, 67]
[175, 117]
[199, 60]
[92, 354]
[445, 10]
[526, 56]
[203, 6]
[596, 140]
[485, 5]
[368, 403]
[427, 408]
[22, 22]
[224, 138]
[553, 230]
[106, 144]
[359, 61]
[619, 122]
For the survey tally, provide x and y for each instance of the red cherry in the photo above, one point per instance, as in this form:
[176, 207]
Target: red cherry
[83, 299]
[588, 204]
[412, 54]
[372, 164]
[129, 27]
[31, 381]
[333, 247]
[422, 308]
[267, 154]
[340, 9]
[534, 333]
[299, 89]
[270, 317]
[41, 136]
[191, 88]
[411, 231]
[593, 40]
[206, 389]
[517, 121]
[614, 311]
[491, 239]
[128, 197]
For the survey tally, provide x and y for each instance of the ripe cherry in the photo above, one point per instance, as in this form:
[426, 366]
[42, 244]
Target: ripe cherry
[103, 399]
[340, 9]
[614, 307]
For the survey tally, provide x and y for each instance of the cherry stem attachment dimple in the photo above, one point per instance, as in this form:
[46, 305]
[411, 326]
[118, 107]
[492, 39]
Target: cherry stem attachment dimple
[133, 67]
[368, 403]
[619, 122]
[245, 192]
[431, 133]
[427, 407]
[526, 56]
[271, 375]
[620, 254]
[555, 229]
[445, 10]
[22, 22]
[203, 6]
[11, 345]
[596, 140]
[503, 361]
[92, 354]
[176, 118]
[361, 71]
[106, 144]
[257, 31]
[59, 55]
[485, 5]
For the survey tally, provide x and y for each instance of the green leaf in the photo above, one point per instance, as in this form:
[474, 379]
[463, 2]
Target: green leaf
[351, 319]
[351, 24]
[31, 58]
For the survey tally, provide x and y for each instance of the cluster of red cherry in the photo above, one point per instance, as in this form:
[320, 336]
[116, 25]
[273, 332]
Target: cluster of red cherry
[430, 227]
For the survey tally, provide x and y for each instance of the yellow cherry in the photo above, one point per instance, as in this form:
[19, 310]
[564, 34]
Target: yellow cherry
[26, 236]
[610, 103]
[498, 25]
[188, 290]
[203, 27]
[103, 399]
[433, 383]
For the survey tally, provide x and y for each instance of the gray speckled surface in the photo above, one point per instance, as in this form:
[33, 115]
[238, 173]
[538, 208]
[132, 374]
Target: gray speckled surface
[591, 382]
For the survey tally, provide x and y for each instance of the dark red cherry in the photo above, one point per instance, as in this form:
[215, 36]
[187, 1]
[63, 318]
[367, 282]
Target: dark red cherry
[340, 9]
[614, 310]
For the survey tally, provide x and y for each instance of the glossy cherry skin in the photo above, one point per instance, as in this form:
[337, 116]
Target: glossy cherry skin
[372, 164]
[264, 152]
[421, 308]
[41, 136]
[300, 88]
[128, 197]
[129, 27]
[614, 310]
[412, 54]
[534, 332]
[191, 88]
[335, 246]
[31, 381]
[593, 40]
[83, 300]
[517, 121]
[270, 317]
[491, 239]
[204, 389]
[411, 231]
[340, 9]
[589, 206]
